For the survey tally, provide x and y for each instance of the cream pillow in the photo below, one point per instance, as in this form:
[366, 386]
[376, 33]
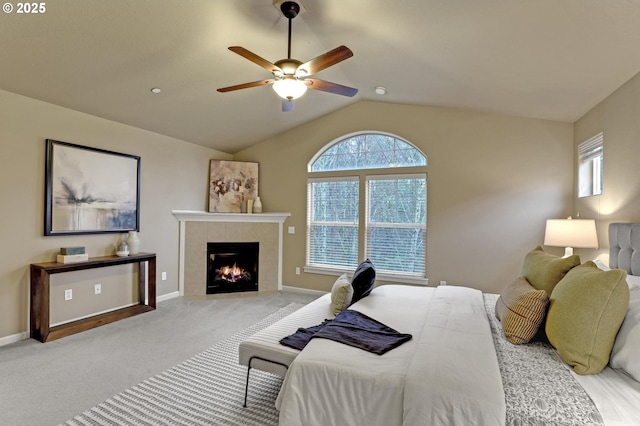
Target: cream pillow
[341, 294]
[633, 281]
[600, 264]
[626, 350]
[586, 310]
[521, 309]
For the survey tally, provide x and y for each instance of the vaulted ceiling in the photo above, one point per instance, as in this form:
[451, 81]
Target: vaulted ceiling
[550, 59]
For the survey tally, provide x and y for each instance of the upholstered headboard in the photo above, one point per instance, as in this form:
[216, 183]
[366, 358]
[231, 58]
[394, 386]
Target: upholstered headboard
[624, 247]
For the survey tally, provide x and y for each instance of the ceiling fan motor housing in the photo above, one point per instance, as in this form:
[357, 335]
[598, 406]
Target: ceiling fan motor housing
[290, 9]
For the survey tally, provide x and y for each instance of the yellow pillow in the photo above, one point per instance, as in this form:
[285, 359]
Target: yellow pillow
[521, 309]
[544, 271]
[586, 310]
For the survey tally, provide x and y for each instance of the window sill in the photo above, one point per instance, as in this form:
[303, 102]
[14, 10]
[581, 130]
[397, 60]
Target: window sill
[391, 278]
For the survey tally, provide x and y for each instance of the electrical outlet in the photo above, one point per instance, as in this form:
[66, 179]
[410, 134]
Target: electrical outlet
[97, 288]
[443, 283]
[68, 294]
[297, 271]
[164, 276]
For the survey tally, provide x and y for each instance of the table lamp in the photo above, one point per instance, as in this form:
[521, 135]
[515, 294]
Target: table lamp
[570, 233]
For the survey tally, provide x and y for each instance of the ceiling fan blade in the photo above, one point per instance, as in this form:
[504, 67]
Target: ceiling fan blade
[255, 58]
[247, 85]
[326, 86]
[287, 105]
[326, 60]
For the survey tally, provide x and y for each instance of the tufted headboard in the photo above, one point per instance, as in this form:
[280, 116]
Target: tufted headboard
[624, 247]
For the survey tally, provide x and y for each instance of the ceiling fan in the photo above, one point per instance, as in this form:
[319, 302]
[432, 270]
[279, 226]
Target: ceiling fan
[290, 76]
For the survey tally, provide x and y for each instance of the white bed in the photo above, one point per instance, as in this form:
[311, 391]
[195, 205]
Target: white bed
[457, 369]
[451, 319]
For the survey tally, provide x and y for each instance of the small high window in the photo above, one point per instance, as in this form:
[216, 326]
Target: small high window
[590, 162]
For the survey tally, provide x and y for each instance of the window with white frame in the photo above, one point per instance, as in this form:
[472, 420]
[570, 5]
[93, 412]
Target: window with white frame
[361, 204]
[590, 162]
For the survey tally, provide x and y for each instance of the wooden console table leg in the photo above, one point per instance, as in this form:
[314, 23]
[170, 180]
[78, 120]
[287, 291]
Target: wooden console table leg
[141, 283]
[152, 282]
[39, 316]
[34, 301]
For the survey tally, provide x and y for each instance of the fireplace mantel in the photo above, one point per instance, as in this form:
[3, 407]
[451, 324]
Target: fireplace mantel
[185, 216]
[197, 216]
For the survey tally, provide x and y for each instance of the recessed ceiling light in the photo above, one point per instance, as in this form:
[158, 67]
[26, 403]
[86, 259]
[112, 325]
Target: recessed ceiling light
[381, 90]
[156, 90]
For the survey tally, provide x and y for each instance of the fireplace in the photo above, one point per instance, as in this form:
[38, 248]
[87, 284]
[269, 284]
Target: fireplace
[232, 267]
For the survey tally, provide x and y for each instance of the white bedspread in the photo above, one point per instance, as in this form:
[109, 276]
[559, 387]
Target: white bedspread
[430, 380]
[616, 395]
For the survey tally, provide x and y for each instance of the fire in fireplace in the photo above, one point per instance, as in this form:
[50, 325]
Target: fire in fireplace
[232, 267]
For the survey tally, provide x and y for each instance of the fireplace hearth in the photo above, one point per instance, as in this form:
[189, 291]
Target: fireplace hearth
[232, 267]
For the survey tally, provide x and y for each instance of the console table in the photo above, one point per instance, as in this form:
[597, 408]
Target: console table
[40, 274]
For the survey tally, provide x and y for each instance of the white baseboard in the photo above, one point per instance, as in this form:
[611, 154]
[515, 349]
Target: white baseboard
[167, 296]
[303, 290]
[7, 340]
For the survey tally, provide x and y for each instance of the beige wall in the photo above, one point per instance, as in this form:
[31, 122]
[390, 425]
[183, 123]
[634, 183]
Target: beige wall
[174, 176]
[618, 116]
[492, 182]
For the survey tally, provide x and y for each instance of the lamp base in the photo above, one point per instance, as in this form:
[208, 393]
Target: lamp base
[568, 251]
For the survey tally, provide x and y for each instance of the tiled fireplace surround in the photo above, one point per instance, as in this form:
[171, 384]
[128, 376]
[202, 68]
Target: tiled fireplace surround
[199, 228]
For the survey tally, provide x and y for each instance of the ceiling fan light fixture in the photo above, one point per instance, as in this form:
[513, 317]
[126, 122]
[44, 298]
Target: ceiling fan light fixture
[289, 88]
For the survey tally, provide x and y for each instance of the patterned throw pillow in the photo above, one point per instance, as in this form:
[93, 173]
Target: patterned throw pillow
[521, 309]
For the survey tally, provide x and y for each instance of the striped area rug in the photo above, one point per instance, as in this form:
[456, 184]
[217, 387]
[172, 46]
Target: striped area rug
[207, 389]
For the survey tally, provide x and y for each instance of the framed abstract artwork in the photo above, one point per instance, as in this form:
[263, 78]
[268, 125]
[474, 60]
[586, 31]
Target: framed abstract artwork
[230, 183]
[90, 190]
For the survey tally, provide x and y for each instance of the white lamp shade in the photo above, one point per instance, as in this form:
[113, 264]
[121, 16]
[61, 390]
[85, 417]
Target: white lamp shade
[579, 233]
[289, 88]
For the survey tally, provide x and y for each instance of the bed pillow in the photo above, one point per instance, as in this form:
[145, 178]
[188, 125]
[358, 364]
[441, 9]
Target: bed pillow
[521, 309]
[586, 310]
[633, 281]
[627, 345]
[363, 280]
[544, 270]
[600, 264]
[341, 294]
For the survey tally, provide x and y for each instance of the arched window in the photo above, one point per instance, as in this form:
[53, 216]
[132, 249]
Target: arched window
[367, 198]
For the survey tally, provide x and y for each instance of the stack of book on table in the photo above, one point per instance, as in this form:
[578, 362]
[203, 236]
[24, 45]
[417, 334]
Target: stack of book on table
[72, 254]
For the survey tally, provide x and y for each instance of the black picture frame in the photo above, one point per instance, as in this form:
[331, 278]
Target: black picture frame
[90, 190]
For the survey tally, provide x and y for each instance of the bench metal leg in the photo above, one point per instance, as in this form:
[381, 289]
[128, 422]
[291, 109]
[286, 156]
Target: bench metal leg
[246, 388]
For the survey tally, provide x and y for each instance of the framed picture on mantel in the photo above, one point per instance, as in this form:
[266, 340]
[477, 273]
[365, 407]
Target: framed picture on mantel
[90, 190]
[230, 183]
